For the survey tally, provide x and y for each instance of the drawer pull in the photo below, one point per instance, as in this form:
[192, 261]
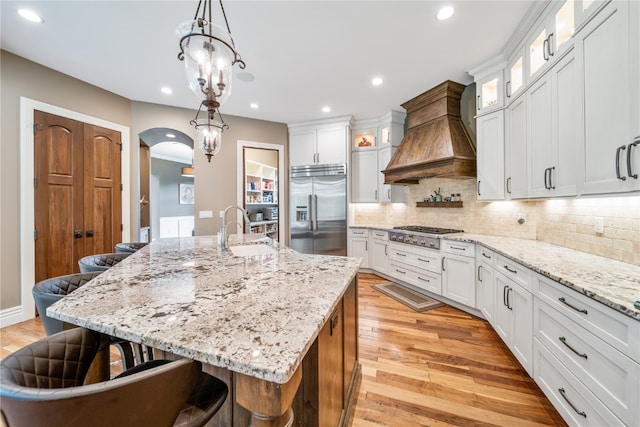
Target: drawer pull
[506, 267]
[486, 256]
[423, 279]
[423, 260]
[564, 301]
[399, 254]
[458, 248]
[563, 340]
[401, 272]
[561, 390]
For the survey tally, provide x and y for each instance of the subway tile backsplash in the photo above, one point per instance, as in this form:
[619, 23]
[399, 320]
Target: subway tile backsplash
[565, 222]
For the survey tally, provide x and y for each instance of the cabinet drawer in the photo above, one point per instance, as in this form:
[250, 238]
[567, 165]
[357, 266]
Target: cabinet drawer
[422, 279]
[577, 405]
[484, 255]
[610, 375]
[620, 331]
[457, 247]
[423, 259]
[359, 232]
[380, 235]
[517, 272]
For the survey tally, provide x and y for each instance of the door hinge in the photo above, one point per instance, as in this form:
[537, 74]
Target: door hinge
[35, 234]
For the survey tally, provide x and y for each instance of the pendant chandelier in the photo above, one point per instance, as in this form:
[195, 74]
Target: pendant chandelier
[209, 54]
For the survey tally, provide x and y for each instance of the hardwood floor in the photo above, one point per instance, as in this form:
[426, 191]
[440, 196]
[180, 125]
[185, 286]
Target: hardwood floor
[442, 367]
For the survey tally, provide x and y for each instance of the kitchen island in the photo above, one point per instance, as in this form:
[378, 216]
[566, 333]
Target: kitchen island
[264, 322]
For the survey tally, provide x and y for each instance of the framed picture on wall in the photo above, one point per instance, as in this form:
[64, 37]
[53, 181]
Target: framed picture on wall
[186, 194]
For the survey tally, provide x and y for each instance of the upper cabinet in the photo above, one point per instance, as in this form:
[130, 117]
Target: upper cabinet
[608, 47]
[489, 78]
[515, 81]
[374, 142]
[322, 142]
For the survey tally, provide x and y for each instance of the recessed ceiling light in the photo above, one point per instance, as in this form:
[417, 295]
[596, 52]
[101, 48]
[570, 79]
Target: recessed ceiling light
[326, 109]
[30, 15]
[377, 81]
[445, 13]
[167, 90]
[245, 76]
[253, 105]
[170, 135]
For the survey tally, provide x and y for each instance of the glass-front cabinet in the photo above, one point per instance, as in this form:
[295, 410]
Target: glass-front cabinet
[552, 37]
[489, 92]
[515, 81]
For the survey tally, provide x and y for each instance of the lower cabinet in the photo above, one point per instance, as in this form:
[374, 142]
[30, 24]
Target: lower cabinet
[458, 272]
[379, 251]
[330, 369]
[358, 245]
[513, 318]
[485, 283]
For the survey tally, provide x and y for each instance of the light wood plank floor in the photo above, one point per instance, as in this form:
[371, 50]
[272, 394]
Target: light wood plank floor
[442, 367]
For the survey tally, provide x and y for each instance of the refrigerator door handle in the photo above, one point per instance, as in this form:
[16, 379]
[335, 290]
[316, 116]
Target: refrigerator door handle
[315, 211]
[310, 213]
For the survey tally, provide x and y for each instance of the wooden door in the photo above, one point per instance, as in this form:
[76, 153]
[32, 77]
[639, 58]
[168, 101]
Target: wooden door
[77, 193]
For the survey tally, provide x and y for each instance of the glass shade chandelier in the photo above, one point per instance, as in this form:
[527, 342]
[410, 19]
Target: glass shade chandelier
[209, 54]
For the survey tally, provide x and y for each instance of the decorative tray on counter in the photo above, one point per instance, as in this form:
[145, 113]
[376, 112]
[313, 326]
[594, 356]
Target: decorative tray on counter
[457, 204]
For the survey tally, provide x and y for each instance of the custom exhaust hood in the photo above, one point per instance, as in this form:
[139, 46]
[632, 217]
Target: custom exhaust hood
[436, 143]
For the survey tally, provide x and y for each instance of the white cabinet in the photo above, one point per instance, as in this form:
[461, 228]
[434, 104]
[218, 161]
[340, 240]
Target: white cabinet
[553, 131]
[358, 245]
[417, 266]
[608, 49]
[516, 164]
[485, 282]
[388, 193]
[490, 156]
[324, 142]
[489, 92]
[515, 76]
[380, 251]
[364, 171]
[514, 318]
[458, 271]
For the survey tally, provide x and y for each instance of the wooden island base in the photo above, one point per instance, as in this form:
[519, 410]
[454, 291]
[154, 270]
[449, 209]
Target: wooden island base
[320, 393]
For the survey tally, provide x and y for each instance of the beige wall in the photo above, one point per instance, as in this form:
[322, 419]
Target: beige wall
[215, 184]
[19, 77]
[567, 222]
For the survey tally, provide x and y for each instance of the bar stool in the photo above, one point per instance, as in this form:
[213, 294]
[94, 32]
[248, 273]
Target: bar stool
[130, 247]
[42, 385]
[48, 291]
[100, 262]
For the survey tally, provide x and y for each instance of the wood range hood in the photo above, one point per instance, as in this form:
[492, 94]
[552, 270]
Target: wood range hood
[436, 143]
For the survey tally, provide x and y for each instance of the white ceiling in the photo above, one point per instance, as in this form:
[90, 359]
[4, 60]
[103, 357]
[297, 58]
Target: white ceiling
[304, 54]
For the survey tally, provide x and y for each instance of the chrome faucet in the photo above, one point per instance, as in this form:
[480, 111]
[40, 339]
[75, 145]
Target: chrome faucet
[223, 227]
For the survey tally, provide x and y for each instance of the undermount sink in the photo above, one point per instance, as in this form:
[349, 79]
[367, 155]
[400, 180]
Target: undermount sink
[251, 250]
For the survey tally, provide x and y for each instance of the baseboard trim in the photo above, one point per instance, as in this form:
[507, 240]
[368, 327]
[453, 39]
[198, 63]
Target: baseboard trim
[11, 316]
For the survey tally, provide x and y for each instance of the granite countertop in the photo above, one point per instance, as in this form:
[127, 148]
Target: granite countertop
[613, 283]
[255, 315]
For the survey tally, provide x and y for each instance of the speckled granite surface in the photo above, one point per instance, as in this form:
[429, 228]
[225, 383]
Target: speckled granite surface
[613, 283]
[255, 315]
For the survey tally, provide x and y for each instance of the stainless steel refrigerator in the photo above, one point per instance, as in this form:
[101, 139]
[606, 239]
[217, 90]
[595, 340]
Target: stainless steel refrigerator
[318, 204]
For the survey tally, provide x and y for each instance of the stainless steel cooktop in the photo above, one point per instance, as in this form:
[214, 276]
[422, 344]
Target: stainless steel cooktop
[419, 235]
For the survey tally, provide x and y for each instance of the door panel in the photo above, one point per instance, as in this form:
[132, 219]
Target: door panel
[330, 215]
[300, 215]
[58, 148]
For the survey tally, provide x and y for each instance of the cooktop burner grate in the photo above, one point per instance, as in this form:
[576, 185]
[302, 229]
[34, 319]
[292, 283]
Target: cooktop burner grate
[427, 230]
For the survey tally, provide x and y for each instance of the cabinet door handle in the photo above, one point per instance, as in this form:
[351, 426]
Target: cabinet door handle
[545, 48]
[442, 264]
[550, 45]
[504, 295]
[580, 310]
[376, 195]
[386, 252]
[622, 147]
[563, 340]
[551, 186]
[334, 322]
[562, 393]
[509, 292]
[546, 186]
[509, 185]
[478, 102]
[508, 89]
[635, 142]
[389, 194]
[479, 278]
[366, 246]
[510, 270]
[478, 188]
